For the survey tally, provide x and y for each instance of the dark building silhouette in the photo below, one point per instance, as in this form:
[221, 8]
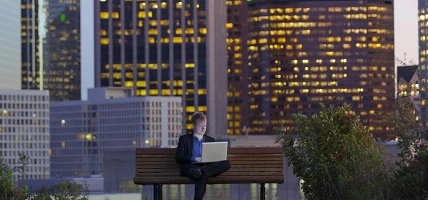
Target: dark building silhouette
[62, 75]
[307, 52]
[166, 48]
[51, 54]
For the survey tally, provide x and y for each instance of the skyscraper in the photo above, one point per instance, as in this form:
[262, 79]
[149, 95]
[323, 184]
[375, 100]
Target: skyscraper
[32, 72]
[423, 60]
[62, 50]
[303, 53]
[10, 44]
[237, 60]
[166, 48]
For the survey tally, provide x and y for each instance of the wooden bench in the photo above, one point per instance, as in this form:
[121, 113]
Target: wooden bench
[157, 166]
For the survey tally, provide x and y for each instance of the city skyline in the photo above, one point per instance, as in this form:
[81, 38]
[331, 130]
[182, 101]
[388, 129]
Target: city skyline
[406, 35]
[145, 90]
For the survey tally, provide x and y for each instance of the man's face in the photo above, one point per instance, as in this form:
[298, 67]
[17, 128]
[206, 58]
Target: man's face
[200, 127]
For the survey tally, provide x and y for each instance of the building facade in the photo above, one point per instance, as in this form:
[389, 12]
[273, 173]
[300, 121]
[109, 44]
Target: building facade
[166, 48]
[408, 86]
[303, 53]
[110, 120]
[423, 60]
[61, 49]
[24, 128]
[32, 69]
[237, 60]
[10, 44]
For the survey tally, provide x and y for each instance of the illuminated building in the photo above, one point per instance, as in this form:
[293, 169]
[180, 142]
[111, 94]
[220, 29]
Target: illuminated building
[32, 75]
[10, 45]
[62, 50]
[166, 48]
[408, 86]
[303, 53]
[237, 59]
[110, 120]
[423, 59]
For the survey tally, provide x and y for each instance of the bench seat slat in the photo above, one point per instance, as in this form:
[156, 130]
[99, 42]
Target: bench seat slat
[233, 169]
[242, 166]
[211, 180]
[229, 156]
[251, 175]
[242, 150]
[173, 164]
[237, 161]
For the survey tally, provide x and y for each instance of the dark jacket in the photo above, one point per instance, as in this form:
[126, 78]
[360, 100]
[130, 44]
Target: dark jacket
[184, 150]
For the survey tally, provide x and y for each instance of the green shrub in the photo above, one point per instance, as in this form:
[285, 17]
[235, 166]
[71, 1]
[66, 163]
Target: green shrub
[335, 156]
[11, 190]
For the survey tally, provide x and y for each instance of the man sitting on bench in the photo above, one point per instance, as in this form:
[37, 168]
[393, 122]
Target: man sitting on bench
[188, 154]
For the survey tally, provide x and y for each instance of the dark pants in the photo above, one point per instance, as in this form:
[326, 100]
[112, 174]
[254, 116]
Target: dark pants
[208, 170]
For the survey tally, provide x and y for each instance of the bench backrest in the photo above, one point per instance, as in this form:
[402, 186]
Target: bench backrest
[249, 165]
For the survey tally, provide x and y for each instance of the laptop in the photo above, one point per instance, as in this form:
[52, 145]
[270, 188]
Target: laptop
[214, 151]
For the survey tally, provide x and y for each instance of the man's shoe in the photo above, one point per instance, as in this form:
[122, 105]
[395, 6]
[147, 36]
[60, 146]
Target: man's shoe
[196, 172]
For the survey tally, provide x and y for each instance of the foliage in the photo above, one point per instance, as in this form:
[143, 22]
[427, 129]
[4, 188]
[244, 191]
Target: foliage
[8, 185]
[408, 130]
[410, 178]
[336, 156]
[10, 189]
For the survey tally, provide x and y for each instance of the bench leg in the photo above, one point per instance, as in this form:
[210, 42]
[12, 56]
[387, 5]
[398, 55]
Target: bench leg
[262, 191]
[157, 191]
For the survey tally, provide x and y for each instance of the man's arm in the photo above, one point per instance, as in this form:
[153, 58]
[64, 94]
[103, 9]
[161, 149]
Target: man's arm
[180, 154]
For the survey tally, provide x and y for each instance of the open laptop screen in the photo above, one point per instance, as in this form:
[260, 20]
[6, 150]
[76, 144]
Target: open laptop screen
[214, 151]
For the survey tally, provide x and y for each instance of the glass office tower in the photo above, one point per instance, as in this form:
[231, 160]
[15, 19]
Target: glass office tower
[62, 50]
[32, 75]
[166, 48]
[237, 59]
[423, 60]
[303, 53]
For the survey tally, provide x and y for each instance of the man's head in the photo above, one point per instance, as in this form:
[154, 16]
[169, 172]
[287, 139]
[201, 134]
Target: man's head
[199, 121]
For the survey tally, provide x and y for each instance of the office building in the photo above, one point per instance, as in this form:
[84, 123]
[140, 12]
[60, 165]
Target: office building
[423, 60]
[166, 48]
[110, 120]
[62, 74]
[10, 44]
[32, 68]
[303, 53]
[24, 128]
[237, 60]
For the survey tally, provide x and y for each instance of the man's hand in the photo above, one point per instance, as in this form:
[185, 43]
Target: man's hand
[198, 159]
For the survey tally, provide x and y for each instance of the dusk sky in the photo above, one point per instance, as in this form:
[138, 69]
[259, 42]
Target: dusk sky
[406, 29]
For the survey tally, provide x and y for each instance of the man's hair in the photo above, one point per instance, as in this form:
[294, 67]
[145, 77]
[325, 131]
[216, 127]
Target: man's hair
[198, 116]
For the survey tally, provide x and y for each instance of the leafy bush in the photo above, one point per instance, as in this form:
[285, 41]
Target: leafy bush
[410, 177]
[10, 189]
[336, 156]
